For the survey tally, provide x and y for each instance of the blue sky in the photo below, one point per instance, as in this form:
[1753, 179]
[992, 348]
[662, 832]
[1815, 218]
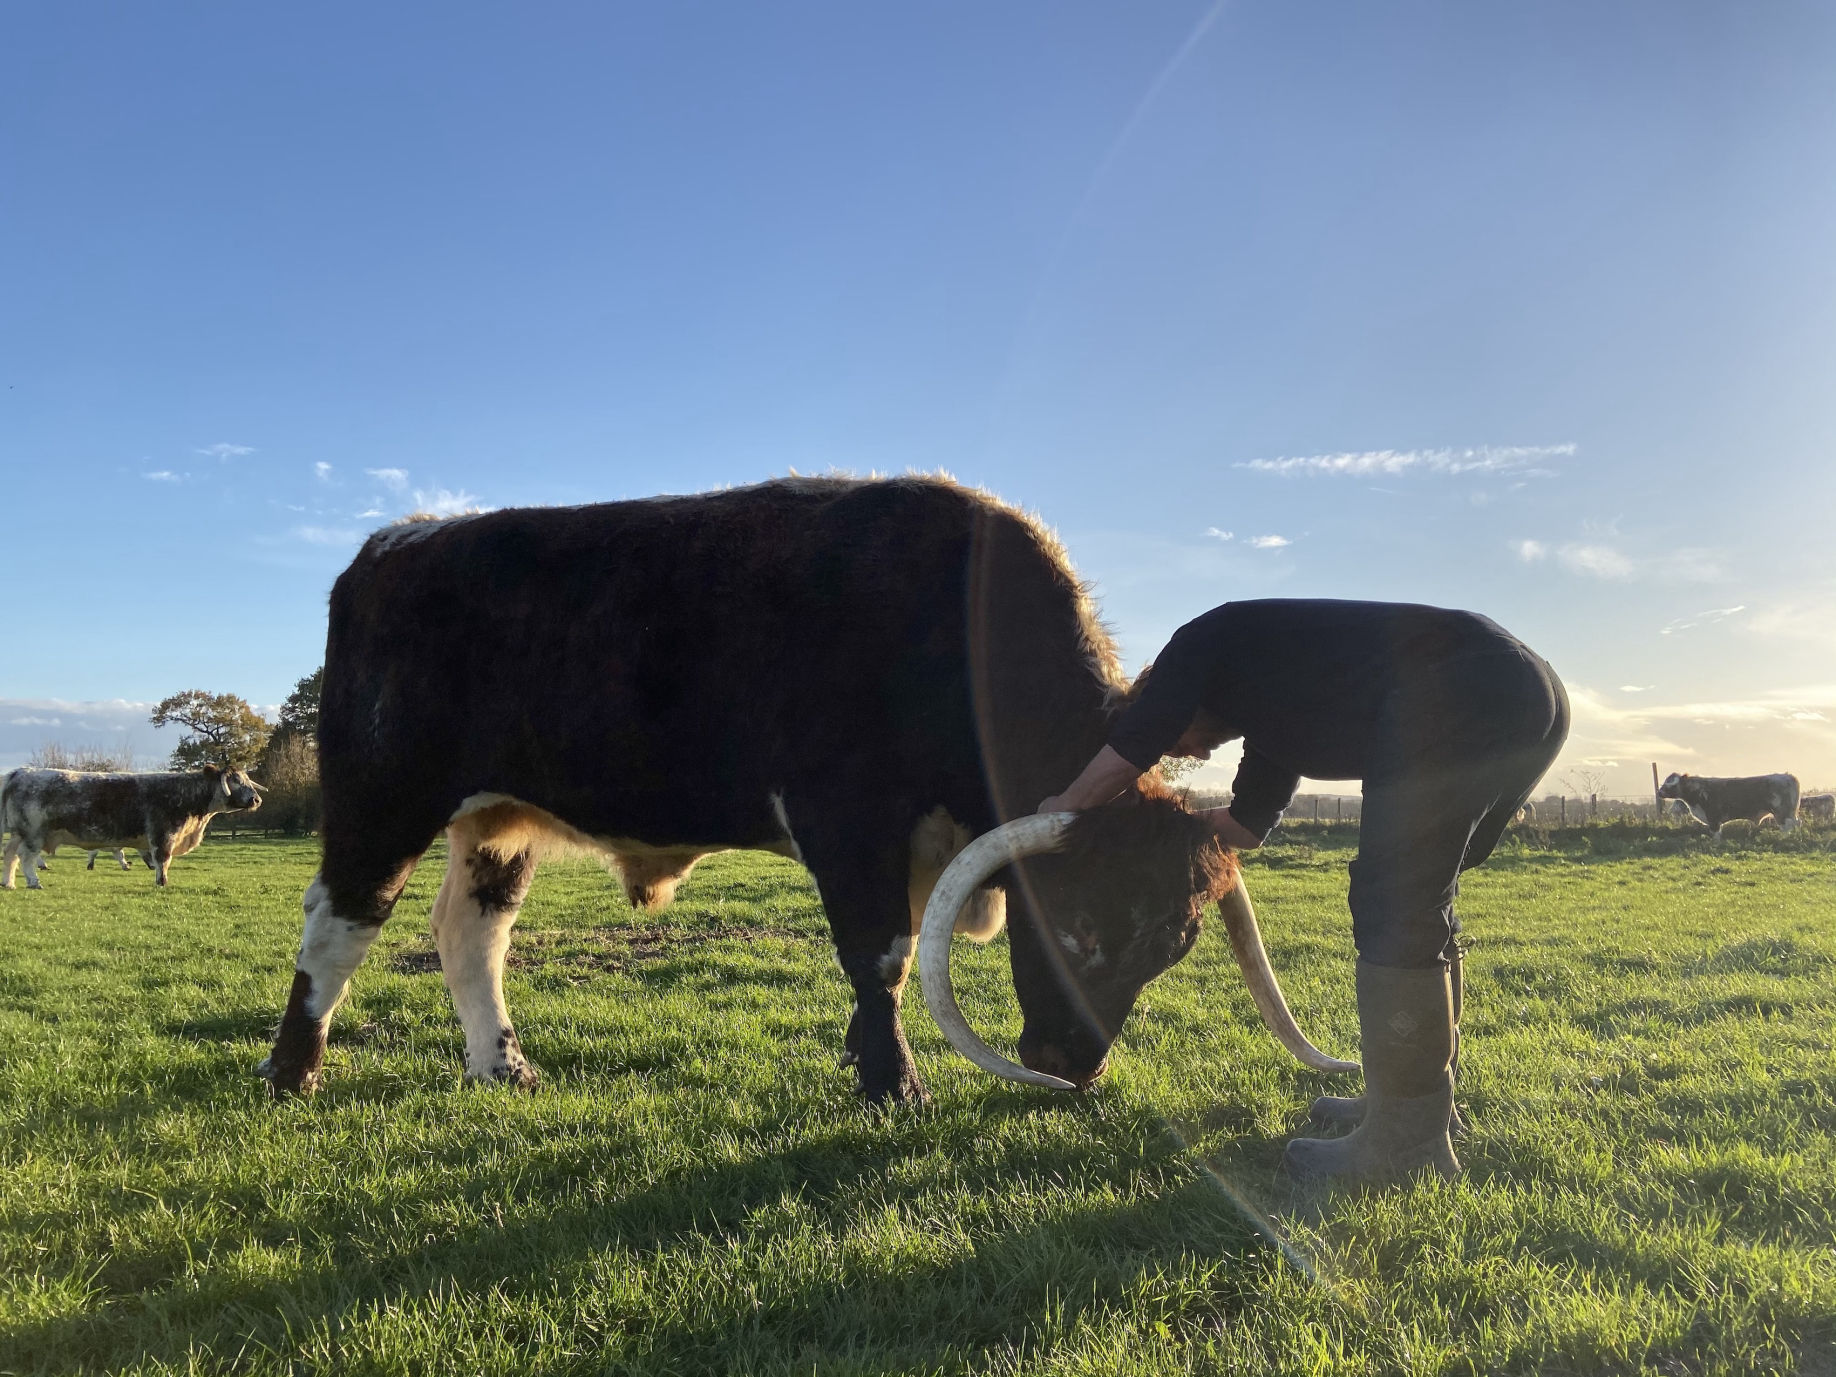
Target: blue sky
[1526, 309]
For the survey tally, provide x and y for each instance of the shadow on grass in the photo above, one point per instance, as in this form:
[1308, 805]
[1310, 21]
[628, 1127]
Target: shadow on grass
[940, 1308]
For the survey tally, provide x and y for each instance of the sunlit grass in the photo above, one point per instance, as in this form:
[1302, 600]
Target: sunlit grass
[1651, 1186]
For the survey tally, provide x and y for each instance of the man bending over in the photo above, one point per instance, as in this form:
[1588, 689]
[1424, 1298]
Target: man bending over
[1449, 721]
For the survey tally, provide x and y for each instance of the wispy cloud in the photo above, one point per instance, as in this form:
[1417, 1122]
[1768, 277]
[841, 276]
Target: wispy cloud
[1372, 462]
[369, 512]
[328, 535]
[1596, 558]
[395, 480]
[1269, 542]
[1636, 688]
[1216, 534]
[322, 471]
[226, 451]
[1599, 561]
[35, 722]
[1714, 614]
[163, 476]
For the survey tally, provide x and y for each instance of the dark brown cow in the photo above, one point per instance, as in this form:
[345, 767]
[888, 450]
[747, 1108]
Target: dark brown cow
[860, 675]
[164, 813]
[1717, 802]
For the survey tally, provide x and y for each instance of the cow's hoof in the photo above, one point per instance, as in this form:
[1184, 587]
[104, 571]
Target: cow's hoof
[524, 1077]
[907, 1089]
[288, 1085]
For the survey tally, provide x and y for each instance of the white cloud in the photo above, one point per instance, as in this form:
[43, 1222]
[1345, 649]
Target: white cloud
[226, 451]
[1812, 619]
[1600, 561]
[35, 721]
[163, 476]
[1216, 534]
[1636, 688]
[327, 535]
[1714, 614]
[1530, 551]
[440, 502]
[1269, 542]
[1366, 463]
[369, 512]
[395, 480]
[322, 471]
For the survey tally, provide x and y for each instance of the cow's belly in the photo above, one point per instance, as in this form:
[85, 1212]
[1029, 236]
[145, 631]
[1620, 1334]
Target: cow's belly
[91, 841]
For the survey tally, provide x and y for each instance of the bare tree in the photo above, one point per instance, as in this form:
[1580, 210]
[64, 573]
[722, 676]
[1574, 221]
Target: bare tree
[54, 755]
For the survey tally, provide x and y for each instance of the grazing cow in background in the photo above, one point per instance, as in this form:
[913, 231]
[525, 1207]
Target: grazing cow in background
[120, 859]
[1526, 814]
[1716, 802]
[860, 675]
[1817, 807]
[164, 813]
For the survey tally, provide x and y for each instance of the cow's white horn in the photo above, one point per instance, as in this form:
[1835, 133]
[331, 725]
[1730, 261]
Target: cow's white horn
[1246, 942]
[1030, 836]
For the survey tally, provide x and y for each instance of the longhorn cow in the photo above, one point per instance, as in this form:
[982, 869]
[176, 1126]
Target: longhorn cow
[861, 675]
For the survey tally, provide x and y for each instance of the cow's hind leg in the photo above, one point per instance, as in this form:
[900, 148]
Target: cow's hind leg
[9, 863]
[472, 917]
[343, 916]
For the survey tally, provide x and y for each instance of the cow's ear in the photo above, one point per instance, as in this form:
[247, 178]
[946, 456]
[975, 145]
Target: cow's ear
[212, 770]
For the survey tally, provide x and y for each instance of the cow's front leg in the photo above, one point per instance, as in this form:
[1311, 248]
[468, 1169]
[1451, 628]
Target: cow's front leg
[861, 867]
[471, 921]
[21, 850]
[875, 1045]
[9, 863]
[331, 948]
[160, 845]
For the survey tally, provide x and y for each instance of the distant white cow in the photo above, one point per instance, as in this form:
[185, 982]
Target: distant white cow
[1717, 802]
[167, 812]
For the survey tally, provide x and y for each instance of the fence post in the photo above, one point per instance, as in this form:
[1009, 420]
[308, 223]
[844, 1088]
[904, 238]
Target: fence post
[1564, 810]
[1338, 807]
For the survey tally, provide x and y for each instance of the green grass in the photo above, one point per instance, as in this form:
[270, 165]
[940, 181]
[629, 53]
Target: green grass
[1651, 1171]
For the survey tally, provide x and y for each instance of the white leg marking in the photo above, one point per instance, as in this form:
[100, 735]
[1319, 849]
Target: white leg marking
[10, 862]
[330, 950]
[472, 941]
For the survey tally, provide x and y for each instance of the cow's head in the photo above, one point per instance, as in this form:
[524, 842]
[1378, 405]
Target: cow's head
[1121, 902]
[1672, 787]
[1108, 899]
[235, 789]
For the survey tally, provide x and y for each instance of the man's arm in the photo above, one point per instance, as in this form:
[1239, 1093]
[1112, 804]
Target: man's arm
[1107, 775]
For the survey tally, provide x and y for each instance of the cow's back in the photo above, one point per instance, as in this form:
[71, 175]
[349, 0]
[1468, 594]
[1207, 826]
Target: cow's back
[646, 658]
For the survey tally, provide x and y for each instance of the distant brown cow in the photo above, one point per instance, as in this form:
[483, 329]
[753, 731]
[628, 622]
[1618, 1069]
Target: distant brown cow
[164, 813]
[1817, 807]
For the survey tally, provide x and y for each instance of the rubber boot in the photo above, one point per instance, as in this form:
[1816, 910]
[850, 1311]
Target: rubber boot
[1349, 1109]
[1405, 1023]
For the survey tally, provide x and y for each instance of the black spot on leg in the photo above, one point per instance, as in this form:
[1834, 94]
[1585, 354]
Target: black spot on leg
[500, 882]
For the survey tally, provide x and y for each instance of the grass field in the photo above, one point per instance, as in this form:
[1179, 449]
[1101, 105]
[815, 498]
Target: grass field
[1649, 1080]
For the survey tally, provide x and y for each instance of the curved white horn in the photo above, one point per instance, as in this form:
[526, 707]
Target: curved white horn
[1246, 942]
[1010, 842]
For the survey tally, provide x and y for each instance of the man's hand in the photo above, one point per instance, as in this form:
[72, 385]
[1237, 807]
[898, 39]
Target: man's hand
[1231, 832]
[1107, 775]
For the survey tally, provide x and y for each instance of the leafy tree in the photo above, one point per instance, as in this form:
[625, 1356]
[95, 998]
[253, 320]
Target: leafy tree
[221, 729]
[290, 770]
[299, 715]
